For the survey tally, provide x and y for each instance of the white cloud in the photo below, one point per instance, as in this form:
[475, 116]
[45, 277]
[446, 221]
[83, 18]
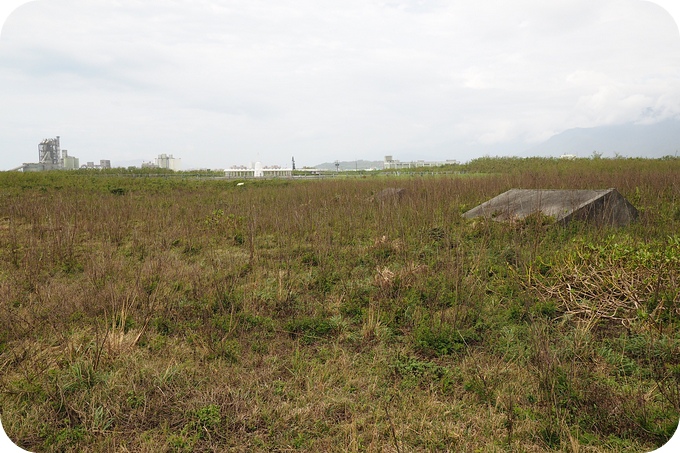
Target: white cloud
[325, 80]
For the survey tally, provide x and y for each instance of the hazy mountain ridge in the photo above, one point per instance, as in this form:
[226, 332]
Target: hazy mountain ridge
[628, 140]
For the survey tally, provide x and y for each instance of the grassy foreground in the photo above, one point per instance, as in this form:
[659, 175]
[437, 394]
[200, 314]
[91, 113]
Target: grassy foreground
[153, 314]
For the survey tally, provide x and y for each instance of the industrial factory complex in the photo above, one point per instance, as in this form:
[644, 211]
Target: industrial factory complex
[52, 157]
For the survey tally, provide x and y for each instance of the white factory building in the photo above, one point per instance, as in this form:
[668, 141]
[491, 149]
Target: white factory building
[256, 170]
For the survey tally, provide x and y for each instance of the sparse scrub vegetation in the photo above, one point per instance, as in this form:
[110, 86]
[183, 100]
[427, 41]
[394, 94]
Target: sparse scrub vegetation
[144, 311]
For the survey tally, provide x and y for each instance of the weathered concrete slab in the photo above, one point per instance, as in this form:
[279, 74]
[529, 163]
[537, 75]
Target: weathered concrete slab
[390, 193]
[606, 207]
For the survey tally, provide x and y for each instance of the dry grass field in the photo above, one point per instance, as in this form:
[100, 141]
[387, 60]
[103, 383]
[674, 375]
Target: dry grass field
[149, 312]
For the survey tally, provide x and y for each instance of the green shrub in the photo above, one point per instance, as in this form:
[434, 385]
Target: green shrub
[442, 339]
[309, 330]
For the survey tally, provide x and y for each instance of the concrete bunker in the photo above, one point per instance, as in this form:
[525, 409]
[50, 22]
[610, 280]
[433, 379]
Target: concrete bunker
[605, 207]
[389, 194]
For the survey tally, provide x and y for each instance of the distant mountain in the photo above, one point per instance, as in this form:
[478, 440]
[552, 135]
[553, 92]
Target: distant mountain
[628, 140]
[352, 165]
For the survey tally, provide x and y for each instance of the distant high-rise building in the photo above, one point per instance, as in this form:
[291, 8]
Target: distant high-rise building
[168, 162]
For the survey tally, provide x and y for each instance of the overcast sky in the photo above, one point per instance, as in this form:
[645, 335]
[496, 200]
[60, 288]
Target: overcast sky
[228, 82]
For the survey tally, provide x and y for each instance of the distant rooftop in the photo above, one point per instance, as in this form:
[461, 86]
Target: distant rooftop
[393, 164]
